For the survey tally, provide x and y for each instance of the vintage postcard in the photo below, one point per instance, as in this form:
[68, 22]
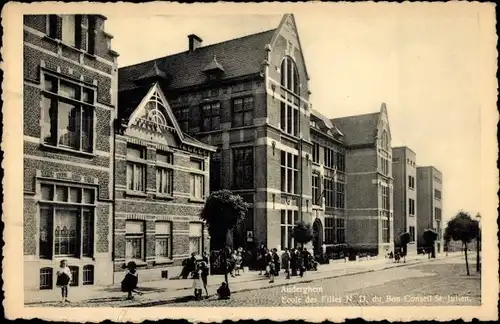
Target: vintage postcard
[316, 161]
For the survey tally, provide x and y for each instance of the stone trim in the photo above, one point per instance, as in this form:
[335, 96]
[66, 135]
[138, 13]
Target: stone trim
[81, 165]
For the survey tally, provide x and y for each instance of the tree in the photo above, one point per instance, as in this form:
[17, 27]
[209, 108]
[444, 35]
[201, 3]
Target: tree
[430, 236]
[223, 212]
[405, 239]
[302, 233]
[463, 228]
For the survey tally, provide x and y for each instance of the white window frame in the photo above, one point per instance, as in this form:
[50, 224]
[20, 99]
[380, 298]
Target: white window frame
[199, 236]
[140, 235]
[133, 166]
[289, 165]
[160, 235]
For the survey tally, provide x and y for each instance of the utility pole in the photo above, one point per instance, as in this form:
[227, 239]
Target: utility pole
[478, 242]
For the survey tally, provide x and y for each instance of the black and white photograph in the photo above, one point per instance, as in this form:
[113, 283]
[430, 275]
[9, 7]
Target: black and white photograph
[301, 157]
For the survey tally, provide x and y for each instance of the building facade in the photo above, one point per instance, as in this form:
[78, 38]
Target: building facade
[70, 78]
[329, 185]
[161, 183]
[405, 196]
[248, 97]
[429, 204]
[369, 195]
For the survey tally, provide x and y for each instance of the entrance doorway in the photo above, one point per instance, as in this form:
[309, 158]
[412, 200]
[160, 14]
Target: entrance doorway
[317, 236]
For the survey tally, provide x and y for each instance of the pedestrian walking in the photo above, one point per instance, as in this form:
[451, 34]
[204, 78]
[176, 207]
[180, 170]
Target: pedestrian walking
[294, 262]
[204, 275]
[197, 282]
[237, 264]
[129, 282]
[261, 255]
[63, 280]
[276, 262]
[268, 259]
[271, 269]
[301, 262]
[285, 263]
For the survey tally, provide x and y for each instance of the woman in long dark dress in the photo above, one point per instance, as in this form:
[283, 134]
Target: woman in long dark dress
[129, 283]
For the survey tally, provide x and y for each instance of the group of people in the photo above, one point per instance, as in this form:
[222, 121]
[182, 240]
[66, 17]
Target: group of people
[397, 256]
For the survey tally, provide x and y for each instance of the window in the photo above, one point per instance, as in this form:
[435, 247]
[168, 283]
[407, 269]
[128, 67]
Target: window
[46, 275]
[437, 214]
[384, 165]
[215, 171]
[315, 153]
[288, 220]
[163, 240]
[384, 143]
[438, 229]
[182, 116]
[412, 233]
[67, 115]
[329, 192]
[88, 275]
[316, 192]
[290, 76]
[134, 240]
[340, 230]
[52, 26]
[289, 172]
[340, 195]
[395, 160]
[329, 230]
[164, 174]
[136, 168]
[197, 179]
[195, 238]
[385, 198]
[411, 182]
[68, 30]
[289, 119]
[74, 275]
[210, 117]
[437, 194]
[66, 230]
[290, 90]
[411, 205]
[243, 111]
[385, 230]
[340, 161]
[329, 158]
[243, 168]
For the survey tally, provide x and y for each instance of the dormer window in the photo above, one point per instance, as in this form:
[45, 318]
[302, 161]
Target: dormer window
[214, 70]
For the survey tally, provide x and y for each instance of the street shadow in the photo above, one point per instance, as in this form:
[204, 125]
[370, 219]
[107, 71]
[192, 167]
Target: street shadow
[142, 289]
[177, 300]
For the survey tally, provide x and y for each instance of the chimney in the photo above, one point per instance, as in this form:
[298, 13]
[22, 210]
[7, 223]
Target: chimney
[194, 42]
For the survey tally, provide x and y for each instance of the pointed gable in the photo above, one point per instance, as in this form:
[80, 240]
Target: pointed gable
[154, 114]
[358, 130]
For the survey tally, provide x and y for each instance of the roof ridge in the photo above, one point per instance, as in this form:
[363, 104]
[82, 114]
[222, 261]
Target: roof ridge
[360, 115]
[198, 49]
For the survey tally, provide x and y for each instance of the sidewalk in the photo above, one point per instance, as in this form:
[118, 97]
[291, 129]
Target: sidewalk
[172, 291]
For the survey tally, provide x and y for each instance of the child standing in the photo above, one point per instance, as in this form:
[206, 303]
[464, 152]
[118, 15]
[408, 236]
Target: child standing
[63, 280]
[129, 283]
[197, 282]
[237, 264]
[204, 275]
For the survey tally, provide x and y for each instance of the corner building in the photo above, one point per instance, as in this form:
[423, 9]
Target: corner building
[70, 78]
[369, 195]
[404, 171]
[249, 98]
[430, 204]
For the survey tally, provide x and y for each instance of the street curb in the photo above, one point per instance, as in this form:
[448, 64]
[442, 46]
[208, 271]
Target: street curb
[166, 300]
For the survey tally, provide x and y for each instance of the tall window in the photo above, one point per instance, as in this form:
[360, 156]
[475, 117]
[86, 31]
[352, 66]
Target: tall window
[329, 189]
[329, 158]
[437, 213]
[289, 118]
[340, 195]
[136, 168]
[315, 153]
[182, 116]
[329, 230]
[243, 111]
[384, 141]
[411, 207]
[68, 30]
[289, 172]
[288, 220]
[67, 115]
[210, 117]
[290, 83]
[197, 179]
[412, 233]
[340, 230]
[164, 173]
[163, 240]
[195, 238]
[340, 161]
[384, 165]
[437, 194]
[385, 231]
[438, 229]
[411, 182]
[316, 192]
[134, 240]
[290, 76]
[243, 168]
[66, 221]
[385, 198]
[215, 171]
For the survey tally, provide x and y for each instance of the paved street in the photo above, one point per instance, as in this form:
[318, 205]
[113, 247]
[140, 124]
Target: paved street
[440, 282]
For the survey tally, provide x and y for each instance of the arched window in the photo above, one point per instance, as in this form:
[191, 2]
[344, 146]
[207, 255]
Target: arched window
[154, 112]
[290, 75]
[385, 141]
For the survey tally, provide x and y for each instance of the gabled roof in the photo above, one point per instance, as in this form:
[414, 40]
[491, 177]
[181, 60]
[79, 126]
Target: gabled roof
[358, 130]
[213, 66]
[239, 57]
[153, 73]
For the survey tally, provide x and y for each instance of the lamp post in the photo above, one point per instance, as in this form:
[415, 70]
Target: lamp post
[478, 242]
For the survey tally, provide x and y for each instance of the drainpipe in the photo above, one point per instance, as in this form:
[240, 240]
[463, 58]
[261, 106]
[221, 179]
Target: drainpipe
[113, 204]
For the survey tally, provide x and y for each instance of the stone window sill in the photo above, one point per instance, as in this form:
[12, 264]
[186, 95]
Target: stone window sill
[67, 150]
[164, 196]
[196, 200]
[164, 261]
[136, 194]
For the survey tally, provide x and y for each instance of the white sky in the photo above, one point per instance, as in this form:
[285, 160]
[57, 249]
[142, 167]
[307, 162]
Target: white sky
[428, 66]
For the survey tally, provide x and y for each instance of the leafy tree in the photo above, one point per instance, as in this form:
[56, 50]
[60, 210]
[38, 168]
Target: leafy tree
[302, 232]
[223, 212]
[463, 228]
[405, 239]
[430, 236]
